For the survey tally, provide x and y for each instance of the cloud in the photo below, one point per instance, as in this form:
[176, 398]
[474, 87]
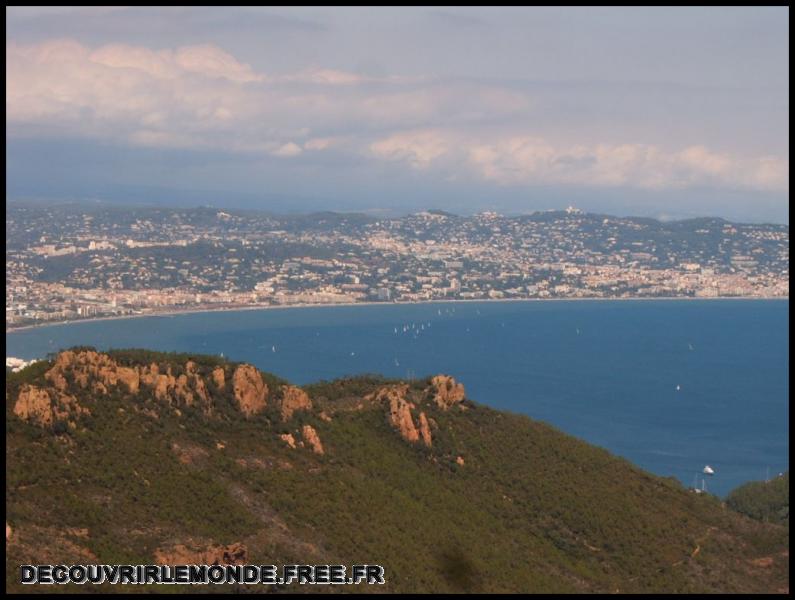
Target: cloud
[115, 89]
[418, 148]
[325, 76]
[202, 97]
[321, 143]
[529, 160]
[288, 149]
[533, 161]
[129, 93]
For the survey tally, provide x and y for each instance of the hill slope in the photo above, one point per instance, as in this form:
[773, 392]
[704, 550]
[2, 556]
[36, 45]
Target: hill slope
[140, 457]
[764, 500]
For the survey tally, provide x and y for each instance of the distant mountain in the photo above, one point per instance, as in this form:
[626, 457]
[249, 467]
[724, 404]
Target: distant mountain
[136, 457]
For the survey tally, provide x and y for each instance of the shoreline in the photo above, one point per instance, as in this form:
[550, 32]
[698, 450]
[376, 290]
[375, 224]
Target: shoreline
[188, 311]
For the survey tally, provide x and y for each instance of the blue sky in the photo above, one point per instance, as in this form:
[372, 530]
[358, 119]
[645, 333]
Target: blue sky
[665, 112]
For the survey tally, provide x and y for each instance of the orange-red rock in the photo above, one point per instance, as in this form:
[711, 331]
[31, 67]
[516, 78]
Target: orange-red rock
[250, 390]
[312, 438]
[446, 392]
[293, 399]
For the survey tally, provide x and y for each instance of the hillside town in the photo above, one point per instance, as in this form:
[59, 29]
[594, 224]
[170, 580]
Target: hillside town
[73, 261]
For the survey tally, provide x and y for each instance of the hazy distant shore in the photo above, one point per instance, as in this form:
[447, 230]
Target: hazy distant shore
[175, 312]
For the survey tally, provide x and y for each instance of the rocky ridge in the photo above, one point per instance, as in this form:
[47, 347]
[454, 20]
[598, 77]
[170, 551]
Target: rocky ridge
[72, 372]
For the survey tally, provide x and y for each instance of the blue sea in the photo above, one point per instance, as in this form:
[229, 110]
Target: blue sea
[671, 385]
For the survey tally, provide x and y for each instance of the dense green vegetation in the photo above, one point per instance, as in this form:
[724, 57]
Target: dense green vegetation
[531, 509]
[763, 500]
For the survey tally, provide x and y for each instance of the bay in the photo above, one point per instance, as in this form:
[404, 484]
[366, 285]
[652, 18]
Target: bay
[671, 385]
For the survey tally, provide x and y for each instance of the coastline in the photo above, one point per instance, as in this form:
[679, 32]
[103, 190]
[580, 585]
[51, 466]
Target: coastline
[177, 312]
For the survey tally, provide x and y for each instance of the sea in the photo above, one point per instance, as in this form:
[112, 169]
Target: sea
[671, 385]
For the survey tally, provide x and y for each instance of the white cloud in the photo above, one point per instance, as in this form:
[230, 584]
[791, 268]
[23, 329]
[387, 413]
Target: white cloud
[320, 143]
[288, 149]
[195, 92]
[200, 96]
[417, 148]
[528, 160]
[533, 161]
[325, 76]
[211, 61]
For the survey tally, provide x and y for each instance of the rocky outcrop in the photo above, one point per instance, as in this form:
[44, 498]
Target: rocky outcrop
[197, 382]
[163, 384]
[44, 407]
[34, 404]
[288, 439]
[186, 390]
[200, 389]
[92, 367]
[250, 390]
[400, 412]
[219, 377]
[167, 383]
[395, 397]
[129, 377]
[446, 392]
[149, 375]
[293, 399]
[312, 438]
[425, 430]
[215, 554]
[57, 379]
[100, 372]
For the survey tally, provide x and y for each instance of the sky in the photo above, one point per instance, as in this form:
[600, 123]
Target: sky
[658, 111]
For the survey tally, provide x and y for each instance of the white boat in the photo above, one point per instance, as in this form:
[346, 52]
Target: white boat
[678, 388]
[273, 348]
[709, 470]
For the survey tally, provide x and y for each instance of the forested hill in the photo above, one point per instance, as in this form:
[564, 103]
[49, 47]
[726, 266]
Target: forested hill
[140, 457]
